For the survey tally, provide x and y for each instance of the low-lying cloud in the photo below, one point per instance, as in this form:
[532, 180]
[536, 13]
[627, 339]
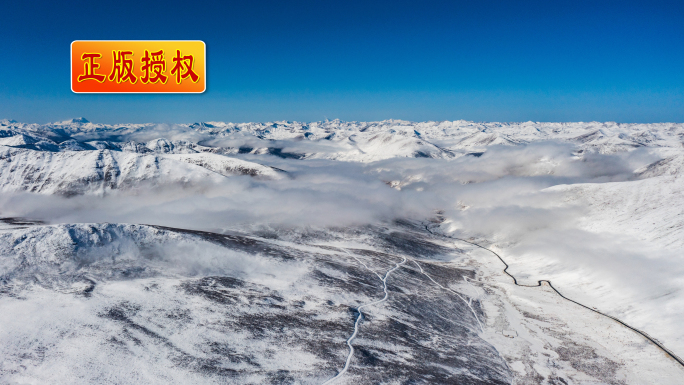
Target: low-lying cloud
[332, 193]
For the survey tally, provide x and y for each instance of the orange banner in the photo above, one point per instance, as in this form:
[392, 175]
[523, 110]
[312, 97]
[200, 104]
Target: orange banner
[138, 66]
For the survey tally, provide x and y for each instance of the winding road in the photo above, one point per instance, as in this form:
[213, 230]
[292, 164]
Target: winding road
[539, 283]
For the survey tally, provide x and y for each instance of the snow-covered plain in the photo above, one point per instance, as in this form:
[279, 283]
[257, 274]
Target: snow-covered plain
[241, 253]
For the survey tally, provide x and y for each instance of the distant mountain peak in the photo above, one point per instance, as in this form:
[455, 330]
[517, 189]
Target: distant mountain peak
[76, 120]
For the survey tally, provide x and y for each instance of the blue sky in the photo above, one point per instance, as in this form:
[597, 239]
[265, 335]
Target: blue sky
[363, 60]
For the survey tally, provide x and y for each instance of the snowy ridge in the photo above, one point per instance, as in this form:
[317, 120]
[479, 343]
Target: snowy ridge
[350, 141]
[97, 171]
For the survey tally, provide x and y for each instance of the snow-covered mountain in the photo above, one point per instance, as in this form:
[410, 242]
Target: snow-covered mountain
[341, 252]
[352, 141]
[78, 171]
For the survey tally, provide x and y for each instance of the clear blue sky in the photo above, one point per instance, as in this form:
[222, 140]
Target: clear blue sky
[363, 60]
